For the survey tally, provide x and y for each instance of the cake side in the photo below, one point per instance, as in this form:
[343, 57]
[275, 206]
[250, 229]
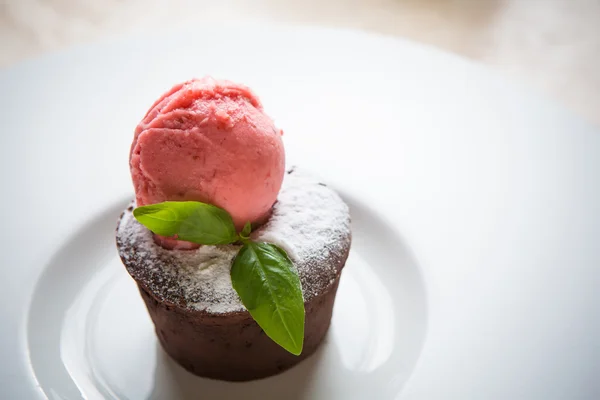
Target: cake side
[233, 347]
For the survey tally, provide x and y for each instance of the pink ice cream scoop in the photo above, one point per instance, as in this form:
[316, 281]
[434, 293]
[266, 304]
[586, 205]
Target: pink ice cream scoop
[210, 141]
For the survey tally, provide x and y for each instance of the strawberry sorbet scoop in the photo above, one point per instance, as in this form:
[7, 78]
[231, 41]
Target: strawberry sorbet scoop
[210, 141]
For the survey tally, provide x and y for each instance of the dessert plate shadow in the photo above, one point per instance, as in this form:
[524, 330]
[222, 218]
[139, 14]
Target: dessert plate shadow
[95, 339]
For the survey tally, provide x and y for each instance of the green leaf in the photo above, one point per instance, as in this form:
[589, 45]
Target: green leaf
[268, 284]
[245, 233]
[189, 220]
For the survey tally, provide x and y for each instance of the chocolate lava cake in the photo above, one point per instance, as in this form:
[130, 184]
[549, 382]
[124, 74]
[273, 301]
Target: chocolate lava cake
[199, 318]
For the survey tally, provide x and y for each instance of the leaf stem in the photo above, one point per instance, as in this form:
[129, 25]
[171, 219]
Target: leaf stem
[245, 240]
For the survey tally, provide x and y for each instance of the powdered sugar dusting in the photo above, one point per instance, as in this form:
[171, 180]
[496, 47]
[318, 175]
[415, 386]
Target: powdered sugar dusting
[309, 221]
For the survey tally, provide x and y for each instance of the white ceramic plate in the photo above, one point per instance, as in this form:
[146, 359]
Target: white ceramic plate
[474, 271]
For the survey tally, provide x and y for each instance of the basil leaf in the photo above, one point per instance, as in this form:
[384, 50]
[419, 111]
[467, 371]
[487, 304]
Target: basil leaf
[245, 233]
[189, 220]
[268, 284]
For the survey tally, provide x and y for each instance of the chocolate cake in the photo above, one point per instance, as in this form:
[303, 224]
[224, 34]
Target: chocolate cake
[199, 318]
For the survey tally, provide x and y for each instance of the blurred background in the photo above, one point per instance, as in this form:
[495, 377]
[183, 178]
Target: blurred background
[552, 46]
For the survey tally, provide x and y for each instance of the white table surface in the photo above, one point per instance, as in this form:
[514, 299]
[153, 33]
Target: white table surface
[550, 45]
